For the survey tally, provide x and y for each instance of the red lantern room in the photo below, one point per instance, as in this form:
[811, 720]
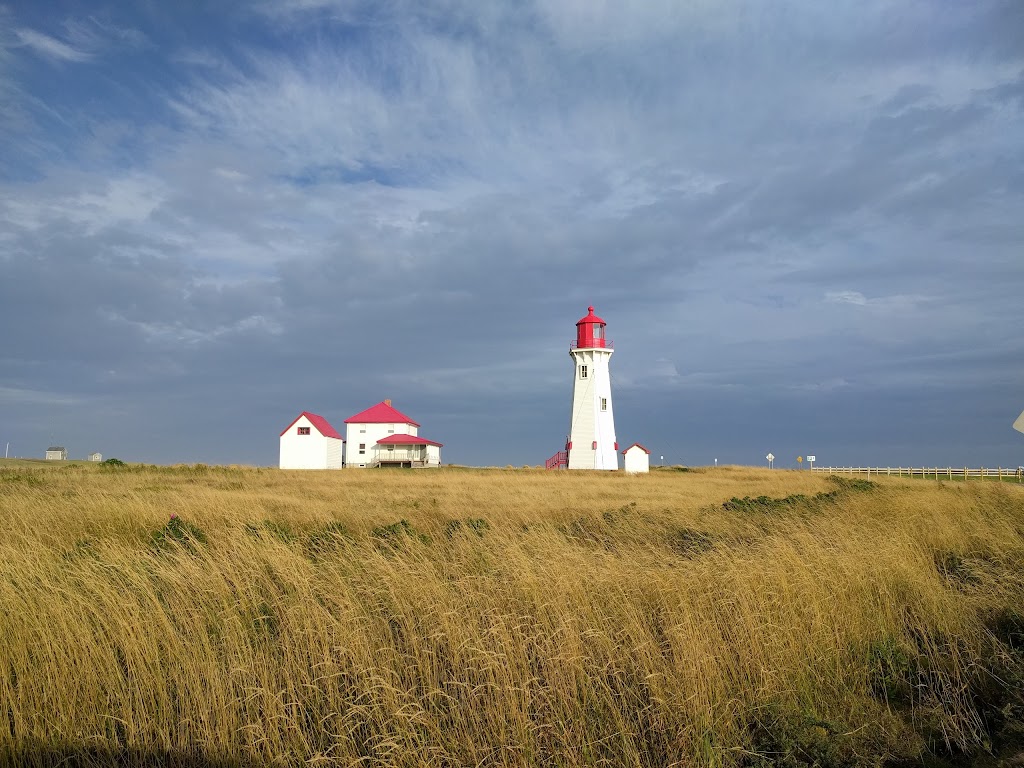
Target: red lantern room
[590, 332]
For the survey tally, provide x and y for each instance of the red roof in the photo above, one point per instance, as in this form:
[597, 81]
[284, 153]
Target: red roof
[637, 445]
[407, 440]
[322, 425]
[381, 413]
[591, 318]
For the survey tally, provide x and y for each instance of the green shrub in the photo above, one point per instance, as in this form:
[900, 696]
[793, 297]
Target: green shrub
[475, 524]
[397, 533]
[177, 533]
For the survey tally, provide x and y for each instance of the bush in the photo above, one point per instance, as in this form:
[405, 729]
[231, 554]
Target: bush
[396, 533]
[177, 533]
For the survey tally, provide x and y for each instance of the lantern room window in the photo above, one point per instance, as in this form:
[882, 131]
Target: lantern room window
[598, 331]
[583, 371]
[303, 430]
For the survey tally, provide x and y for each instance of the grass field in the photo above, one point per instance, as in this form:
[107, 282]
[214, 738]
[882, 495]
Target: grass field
[738, 617]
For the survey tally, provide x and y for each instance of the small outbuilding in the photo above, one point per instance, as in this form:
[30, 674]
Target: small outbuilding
[636, 459]
[310, 442]
[56, 453]
[95, 456]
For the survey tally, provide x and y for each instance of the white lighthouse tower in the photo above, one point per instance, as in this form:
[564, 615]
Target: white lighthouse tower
[592, 429]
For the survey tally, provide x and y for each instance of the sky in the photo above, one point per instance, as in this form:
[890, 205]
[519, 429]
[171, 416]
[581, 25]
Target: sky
[803, 223]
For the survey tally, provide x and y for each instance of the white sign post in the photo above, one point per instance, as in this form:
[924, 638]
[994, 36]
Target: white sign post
[771, 460]
[811, 460]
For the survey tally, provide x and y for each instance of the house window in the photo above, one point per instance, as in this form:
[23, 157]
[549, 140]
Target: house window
[391, 447]
[391, 429]
[362, 430]
[303, 430]
[583, 371]
[362, 448]
[604, 403]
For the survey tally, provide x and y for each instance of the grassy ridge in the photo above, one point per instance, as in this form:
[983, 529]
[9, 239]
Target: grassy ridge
[735, 617]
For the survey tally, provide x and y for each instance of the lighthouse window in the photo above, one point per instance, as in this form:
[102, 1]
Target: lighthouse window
[598, 331]
[604, 403]
[583, 371]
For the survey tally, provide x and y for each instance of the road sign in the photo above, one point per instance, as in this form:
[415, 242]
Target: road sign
[799, 459]
[770, 457]
[1019, 423]
[811, 459]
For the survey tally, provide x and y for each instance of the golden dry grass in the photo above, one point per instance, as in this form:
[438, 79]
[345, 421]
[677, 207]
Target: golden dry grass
[515, 617]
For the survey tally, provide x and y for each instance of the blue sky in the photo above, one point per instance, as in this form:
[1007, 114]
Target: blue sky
[803, 222]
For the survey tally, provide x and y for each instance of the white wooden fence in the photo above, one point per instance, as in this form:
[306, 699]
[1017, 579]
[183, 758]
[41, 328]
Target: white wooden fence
[998, 473]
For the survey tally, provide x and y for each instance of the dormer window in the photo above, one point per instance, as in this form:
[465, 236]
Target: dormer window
[303, 430]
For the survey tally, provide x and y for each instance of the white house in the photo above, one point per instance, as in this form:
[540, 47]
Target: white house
[310, 442]
[56, 453]
[95, 456]
[636, 459]
[383, 436]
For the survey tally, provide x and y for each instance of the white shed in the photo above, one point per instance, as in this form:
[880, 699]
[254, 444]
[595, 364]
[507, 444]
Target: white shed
[95, 456]
[56, 453]
[310, 442]
[636, 459]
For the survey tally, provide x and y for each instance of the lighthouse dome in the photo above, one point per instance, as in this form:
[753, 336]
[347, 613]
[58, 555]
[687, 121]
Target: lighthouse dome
[591, 318]
[590, 332]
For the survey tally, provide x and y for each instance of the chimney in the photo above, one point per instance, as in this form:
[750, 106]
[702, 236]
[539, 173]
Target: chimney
[387, 403]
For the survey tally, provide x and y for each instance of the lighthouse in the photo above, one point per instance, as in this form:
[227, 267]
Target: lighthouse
[591, 442]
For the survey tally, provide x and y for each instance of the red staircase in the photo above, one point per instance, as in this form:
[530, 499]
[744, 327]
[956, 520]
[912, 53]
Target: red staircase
[559, 461]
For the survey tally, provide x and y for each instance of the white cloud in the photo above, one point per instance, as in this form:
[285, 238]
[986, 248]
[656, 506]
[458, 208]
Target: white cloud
[51, 47]
[896, 302]
[847, 297]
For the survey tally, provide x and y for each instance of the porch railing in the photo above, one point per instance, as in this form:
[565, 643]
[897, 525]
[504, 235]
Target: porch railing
[559, 461]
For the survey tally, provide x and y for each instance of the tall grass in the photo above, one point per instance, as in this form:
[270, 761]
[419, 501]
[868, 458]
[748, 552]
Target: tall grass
[732, 617]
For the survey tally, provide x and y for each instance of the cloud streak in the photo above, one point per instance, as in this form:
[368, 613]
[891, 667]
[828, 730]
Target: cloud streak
[51, 47]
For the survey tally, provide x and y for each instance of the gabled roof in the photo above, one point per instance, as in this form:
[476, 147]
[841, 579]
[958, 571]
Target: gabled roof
[637, 445]
[407, 440]
[322, 425]
[381, 413]
[55, 448]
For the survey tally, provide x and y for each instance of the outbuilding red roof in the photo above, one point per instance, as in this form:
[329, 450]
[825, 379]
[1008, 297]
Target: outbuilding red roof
[381, 413]
[322, 425]
[407, 440]
[637, 445]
